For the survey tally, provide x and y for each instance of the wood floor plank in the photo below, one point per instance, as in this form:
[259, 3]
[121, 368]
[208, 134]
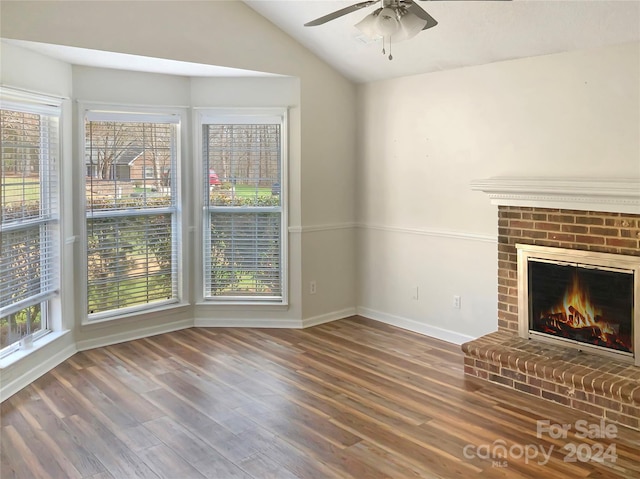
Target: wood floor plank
[217, 467]
[17, 459]
[41, 418]
[262, 466]
[110, 415]
[117, 458]
[354, 398]
[167, 464]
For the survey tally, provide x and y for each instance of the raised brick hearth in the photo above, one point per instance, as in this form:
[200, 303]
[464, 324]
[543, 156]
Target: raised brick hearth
[597, 385]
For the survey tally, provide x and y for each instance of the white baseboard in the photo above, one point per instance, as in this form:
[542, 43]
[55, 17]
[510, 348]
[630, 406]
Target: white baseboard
[38, 369]
[415, 326]
[328, 317]
[132, 335]
[14, 385]
[246, 323]
[273, 323]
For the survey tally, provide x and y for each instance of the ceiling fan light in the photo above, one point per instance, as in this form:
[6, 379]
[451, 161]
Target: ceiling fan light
[410, 25]
[368, 26]
[387, 23]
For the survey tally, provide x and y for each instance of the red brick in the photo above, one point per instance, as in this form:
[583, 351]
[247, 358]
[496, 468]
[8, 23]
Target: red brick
[574, 229]
[513, 326]
[620, 222]
[556, 398]
[494, 378]
[585, 220]
[537, 234]
[509, 266]
[534, 381]
[515, 375]
[630, 410]
[527, 225]
[594, 230]
[527, 388]
[562, 237]
[562, 218]
[547, 226]
[630, 421]
[589, 239]
[625, 233]
[607, 403]
[622, 242]
[589, 408]
[510, 214]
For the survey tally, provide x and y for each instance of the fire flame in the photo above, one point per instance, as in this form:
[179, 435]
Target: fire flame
[579, 311]
[576, 300]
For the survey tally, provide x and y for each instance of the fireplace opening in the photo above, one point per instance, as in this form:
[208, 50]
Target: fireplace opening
[585, 300]
[582, 303]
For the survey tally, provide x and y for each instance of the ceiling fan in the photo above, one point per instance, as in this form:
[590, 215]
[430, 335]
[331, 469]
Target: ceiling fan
[396, 20]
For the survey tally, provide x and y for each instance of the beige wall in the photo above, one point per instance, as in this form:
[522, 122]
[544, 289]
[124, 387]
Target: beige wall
[322, 144]
[231, 34]
[424, 138]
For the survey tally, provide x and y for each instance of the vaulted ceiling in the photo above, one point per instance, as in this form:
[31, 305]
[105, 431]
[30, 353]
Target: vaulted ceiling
[468, 32]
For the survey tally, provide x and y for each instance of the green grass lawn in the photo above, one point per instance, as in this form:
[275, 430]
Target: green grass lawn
[19, 190]
[251, 191]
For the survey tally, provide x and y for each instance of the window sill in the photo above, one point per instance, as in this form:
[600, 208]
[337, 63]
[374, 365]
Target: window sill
[250, 305]
[137, 314]
[22, 353]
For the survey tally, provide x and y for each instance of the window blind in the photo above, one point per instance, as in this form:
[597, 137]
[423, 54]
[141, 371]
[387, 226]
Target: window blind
[244, 214]
[131, 208]
[29, 227]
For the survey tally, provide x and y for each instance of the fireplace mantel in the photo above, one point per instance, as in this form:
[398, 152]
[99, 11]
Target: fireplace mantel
[615, 195]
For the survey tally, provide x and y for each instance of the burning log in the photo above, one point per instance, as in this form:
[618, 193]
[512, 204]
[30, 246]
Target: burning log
[588, 334]
[554, 326]
[561, 316]
[577, 314]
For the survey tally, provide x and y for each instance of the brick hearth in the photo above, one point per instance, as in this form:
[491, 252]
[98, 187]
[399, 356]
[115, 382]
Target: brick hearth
[597, 385]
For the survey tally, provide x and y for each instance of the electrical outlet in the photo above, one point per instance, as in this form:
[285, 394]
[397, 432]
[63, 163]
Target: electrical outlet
[456, 302]
[312, 287]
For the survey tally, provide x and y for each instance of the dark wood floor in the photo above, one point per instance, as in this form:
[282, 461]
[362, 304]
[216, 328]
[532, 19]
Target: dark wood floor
[349, 399]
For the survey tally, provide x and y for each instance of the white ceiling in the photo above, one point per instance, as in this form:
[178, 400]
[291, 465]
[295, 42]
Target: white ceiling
[468, 32]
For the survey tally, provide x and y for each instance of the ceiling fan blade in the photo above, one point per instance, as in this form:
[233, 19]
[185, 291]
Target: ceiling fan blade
[419, 12]
[339, 13]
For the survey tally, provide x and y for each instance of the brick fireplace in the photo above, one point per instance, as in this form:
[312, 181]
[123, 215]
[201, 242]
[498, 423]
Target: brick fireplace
[601, 386]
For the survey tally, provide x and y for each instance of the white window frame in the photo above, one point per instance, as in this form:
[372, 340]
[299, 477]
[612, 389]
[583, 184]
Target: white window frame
[111, 112]
[203, 116]
[49, 301]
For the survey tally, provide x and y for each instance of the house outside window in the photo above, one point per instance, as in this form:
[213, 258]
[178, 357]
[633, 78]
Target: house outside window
[132, 222]
[30, 216]
[244, 220]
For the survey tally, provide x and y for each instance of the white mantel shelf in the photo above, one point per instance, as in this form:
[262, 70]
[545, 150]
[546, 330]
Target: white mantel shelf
[614, 195]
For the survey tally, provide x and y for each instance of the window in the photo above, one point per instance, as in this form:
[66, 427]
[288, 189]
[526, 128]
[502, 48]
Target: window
[29, 230]
[244, 220]
[131, 212]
